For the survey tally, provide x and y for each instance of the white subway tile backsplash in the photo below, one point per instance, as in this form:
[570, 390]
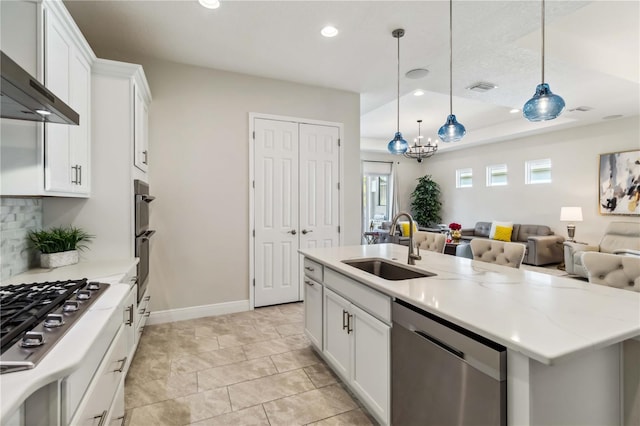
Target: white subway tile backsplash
[18, 216]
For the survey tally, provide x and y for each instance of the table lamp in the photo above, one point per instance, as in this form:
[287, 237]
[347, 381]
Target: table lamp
[571, 214]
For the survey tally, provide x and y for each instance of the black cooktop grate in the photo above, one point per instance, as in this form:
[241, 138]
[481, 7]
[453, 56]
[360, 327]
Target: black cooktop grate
[23, 306]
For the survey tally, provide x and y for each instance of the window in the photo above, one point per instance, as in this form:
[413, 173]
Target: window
[537, 171]
[376, 193]
[464, 178]
[497, 175]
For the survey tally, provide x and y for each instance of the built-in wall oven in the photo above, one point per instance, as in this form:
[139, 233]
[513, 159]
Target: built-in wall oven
[142, 233]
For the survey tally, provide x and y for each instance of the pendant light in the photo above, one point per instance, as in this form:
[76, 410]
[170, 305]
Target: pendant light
[544, 105]
[419, 151]
[451, 130]
[398, 145]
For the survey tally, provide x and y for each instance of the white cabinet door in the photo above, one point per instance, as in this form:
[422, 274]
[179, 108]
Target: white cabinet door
[57, 58]
[80, 136]
[129, 307]
[337, 339]
[141, 126]
[68, 75]
[371, 361]
[313, 312]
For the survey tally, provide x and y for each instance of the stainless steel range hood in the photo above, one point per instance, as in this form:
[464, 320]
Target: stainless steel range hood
[24, 98]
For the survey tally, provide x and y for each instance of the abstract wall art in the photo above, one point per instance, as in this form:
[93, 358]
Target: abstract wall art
[620, 183]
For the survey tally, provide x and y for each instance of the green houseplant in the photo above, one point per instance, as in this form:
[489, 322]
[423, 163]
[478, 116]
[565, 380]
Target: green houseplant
[59, 246]
[425, 201]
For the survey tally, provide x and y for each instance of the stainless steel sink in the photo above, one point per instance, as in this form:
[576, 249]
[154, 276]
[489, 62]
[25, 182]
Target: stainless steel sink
[387, 270]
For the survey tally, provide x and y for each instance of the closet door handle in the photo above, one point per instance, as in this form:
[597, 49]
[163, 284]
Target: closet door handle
[292, 232]
[305, 232]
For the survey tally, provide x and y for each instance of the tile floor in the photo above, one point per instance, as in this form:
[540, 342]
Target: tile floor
[248, 368]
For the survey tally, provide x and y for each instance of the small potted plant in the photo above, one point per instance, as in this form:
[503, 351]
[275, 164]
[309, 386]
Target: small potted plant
[59, 246]
[455, 231]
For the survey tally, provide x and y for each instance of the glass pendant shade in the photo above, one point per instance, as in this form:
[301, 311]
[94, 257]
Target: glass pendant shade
[398, 145]
[451, 131]
[544, 105]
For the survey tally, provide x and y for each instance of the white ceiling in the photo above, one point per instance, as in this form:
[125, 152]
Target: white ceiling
[592, 54]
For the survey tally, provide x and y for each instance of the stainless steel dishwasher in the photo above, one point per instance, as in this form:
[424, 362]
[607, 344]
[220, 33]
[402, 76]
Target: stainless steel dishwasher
[442, 374]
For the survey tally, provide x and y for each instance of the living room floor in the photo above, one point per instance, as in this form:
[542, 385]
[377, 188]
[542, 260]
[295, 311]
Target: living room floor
[247, 368]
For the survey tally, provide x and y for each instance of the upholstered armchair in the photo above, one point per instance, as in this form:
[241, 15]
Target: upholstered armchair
[498, 252]
[430, 241]
[619, 237]
[613, 270]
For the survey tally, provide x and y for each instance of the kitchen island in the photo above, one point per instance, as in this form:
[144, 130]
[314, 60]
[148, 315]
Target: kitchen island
[564, 337]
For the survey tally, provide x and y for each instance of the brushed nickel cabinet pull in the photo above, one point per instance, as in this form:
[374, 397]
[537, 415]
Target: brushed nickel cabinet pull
[102, 417]
[124, 362]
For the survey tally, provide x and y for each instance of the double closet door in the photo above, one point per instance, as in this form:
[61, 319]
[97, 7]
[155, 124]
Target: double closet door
[296, 203]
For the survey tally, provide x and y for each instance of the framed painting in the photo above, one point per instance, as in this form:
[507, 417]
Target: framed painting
[619, 188]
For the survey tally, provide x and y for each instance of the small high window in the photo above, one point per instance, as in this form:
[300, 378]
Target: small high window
[464, 178]
[497, 175]
[537, 171]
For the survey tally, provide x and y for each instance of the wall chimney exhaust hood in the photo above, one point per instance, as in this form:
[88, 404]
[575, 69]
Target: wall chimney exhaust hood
[24, 98]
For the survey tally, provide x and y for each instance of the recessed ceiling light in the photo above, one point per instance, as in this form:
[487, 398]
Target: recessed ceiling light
[43, 112]
[514, 111]
[418, 92]
[329, 31]
[210, 4]
[417, 73]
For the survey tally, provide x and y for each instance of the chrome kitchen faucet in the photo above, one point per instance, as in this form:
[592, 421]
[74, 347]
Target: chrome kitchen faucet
[411, 260]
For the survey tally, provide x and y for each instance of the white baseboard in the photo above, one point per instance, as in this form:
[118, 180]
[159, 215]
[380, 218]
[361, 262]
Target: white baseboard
[181, 314]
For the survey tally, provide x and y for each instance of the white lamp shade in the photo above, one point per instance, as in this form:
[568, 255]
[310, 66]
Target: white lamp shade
[571, 214]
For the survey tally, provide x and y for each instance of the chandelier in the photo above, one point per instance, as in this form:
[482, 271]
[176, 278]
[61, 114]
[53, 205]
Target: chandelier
[420, 151]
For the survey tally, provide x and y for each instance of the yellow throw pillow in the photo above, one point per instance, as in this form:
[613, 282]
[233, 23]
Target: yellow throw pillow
[503, 233]
[404, 228]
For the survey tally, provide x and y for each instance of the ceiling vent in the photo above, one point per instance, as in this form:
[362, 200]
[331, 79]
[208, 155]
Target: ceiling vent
[417, 73]
[482, 86]
[581, 109]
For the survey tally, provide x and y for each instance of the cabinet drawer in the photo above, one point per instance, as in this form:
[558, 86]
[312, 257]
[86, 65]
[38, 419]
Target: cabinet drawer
[97, 401]
[313, 270]
[370, 300]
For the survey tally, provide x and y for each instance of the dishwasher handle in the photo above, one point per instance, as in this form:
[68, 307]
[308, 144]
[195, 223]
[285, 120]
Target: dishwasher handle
[440, 343]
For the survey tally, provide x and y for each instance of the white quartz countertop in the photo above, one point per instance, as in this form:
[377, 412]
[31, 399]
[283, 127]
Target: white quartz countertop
[546, 318]
[61, 361]
[100, 270]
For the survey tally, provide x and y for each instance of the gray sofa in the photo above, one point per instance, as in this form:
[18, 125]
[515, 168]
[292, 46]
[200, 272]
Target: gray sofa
[542, 246]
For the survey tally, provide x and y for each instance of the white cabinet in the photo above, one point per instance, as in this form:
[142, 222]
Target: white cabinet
[68, 75]
[141, 126]
[142, 314]
[357, 346]
[313, 274]
[313, 312]
[112, 169]
[96, 407]
[337, 333]
[48, 159]
[129, 323]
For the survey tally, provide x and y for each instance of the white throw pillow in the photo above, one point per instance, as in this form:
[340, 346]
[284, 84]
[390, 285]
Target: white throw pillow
[495, 223]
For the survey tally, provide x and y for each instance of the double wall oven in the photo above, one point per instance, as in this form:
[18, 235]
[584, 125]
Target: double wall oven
[142, 233]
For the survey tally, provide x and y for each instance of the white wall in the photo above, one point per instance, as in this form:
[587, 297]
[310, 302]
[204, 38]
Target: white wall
[574, 154]
[199, 173]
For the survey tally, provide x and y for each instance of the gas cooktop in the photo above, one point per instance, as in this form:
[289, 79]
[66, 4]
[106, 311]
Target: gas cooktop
[34, 317]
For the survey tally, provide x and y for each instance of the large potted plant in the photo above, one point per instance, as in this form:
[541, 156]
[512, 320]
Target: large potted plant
[59, 246]
[425, 202]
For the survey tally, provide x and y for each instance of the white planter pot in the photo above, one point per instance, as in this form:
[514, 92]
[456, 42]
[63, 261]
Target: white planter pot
[55, 260]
